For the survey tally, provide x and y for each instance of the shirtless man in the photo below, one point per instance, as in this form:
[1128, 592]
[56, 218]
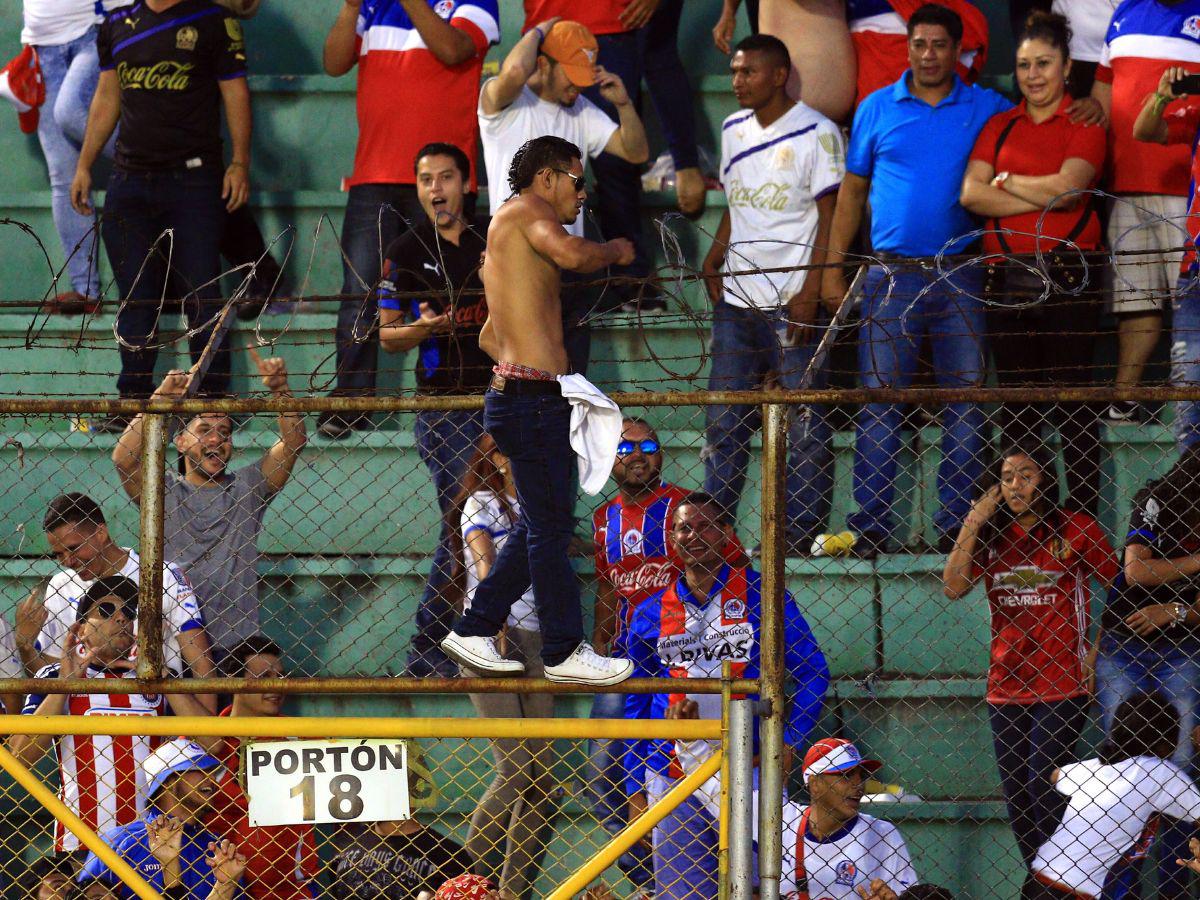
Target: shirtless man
[527, 416]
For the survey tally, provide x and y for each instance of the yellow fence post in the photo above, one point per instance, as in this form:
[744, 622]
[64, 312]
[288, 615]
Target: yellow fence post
[76, 826]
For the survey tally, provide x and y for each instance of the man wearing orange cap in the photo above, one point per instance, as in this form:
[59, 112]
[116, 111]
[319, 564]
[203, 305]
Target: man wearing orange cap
[832, 851]
[538, 93]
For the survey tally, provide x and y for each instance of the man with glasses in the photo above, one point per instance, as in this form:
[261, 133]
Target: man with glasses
[527, 415]
[100, 775]
[634, 561]
[538, 93]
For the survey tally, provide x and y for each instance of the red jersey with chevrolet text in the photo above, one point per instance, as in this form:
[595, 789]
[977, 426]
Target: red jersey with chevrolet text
[633, 546]
[1037, 587]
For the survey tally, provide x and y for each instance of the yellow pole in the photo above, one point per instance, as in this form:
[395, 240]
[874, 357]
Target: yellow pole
[76, 826]
[635, 831]
[349, 727]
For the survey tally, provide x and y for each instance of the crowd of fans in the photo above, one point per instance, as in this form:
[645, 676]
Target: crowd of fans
[902, 157]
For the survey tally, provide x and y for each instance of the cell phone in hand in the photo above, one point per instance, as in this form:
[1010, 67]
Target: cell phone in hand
[1188, 84]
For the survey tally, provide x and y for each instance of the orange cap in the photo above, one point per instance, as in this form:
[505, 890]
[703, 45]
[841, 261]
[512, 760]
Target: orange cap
[574, 48]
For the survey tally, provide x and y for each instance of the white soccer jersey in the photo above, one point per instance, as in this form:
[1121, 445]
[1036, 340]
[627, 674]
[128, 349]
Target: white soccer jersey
[773, 178]
[866, 848]
[101, 776]
[483, 511]
[180, 610]
[1108, 814]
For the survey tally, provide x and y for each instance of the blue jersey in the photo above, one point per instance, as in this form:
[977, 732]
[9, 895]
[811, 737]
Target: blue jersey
[677, 635]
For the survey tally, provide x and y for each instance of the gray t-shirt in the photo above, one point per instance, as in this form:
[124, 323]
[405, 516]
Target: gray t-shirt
[212, 534]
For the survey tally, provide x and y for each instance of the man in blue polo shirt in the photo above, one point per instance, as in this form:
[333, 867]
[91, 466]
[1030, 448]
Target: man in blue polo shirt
[909, 147]
[170, 847]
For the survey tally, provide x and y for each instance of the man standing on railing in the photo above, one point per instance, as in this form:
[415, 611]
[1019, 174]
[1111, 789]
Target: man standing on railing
[79, 539]
[99, 774]
[781, 164]
[530, 419]
[909, 147]
[211, 516]
[710, 614]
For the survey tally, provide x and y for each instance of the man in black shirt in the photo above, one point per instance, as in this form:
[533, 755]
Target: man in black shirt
[392, 861]
[166, 67]
[431, 299]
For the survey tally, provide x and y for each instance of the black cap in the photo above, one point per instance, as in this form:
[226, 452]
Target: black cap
[125, 590]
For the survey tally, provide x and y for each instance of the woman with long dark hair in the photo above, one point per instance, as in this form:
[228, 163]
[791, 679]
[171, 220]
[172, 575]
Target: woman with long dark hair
[1113, 803]
[1043, 296]
[517, 805]
[1151, 625]
[1036, 560]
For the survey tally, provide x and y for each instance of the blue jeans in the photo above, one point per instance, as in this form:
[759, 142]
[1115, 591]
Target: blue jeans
[139, 208]
[1185, 358]
[1031, 741]
[685, 853]
[446, 439]
[619, 183]
[375, 216]
[746, 346]
[1125, 666]
[534, 433]
[667, 83]
[71, 72]
[605, 772]
[893, 324]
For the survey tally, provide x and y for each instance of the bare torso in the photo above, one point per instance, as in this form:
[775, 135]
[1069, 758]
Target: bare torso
[524, 323]
[818, 40]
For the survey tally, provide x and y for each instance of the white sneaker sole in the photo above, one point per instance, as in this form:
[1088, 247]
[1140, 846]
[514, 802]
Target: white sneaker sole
[597, 680]
[484, 667]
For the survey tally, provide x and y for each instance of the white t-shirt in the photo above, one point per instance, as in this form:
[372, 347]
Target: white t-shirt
[180, 609]
[483, 511]
[49, 23]
[1108, 812]
[772, 179]
[1089, 24]
[528, 117]
[866, 848]
[10, 661]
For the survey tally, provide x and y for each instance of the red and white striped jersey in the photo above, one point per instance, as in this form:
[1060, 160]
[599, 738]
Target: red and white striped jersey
[101, 775]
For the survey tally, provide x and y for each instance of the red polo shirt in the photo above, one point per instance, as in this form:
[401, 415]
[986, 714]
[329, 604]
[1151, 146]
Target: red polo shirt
[1037, 587]
[598, 16]
[1041, 148]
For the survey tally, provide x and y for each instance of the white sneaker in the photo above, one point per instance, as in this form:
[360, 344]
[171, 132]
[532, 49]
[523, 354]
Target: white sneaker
[586, 666]
[480, 654]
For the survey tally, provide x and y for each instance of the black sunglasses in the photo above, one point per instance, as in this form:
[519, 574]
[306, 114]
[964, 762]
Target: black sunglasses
[579, 181]
[647, 446]
[107, 609]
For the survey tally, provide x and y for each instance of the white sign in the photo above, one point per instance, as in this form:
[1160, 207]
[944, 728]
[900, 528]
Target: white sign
[304, 782]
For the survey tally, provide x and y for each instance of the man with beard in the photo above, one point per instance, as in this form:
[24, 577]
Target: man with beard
[212, 517]
[829, 848]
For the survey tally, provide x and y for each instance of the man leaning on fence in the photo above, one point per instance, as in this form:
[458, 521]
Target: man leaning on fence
[709, 614]
[100, 775]
[212, 516]
[169, 846]
[79, 539]
[909, 147]
[781, 164]
[431, 301]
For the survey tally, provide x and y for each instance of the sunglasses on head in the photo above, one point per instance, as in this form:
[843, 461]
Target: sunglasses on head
[647, 446]
[579, 181]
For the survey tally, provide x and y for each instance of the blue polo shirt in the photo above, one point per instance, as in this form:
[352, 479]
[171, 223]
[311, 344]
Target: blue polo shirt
[915, 156]
[132, 844]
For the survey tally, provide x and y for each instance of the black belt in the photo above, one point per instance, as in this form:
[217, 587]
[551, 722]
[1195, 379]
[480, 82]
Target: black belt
[524, 387]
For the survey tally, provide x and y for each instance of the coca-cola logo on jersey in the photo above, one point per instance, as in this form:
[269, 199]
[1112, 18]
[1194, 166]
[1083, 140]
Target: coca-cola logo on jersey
[649, 576]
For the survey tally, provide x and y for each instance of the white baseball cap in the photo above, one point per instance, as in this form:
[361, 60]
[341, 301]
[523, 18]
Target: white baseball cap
[836, 755]
[173, 757]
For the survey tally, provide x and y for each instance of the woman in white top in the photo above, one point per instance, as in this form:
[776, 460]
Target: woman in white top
[519, 801]
[1115, 802]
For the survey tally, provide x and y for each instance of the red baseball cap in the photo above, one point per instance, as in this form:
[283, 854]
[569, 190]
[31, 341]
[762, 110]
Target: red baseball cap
[465, 887]
[21, 84]
[836, 755]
